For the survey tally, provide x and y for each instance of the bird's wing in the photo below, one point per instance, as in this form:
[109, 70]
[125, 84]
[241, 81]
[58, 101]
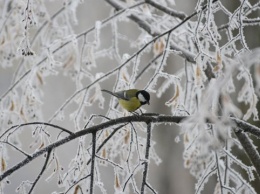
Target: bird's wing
[126, 95]
[120, 94]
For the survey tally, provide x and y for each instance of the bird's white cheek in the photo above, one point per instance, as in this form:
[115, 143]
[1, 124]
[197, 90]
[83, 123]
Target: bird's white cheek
[141, 98]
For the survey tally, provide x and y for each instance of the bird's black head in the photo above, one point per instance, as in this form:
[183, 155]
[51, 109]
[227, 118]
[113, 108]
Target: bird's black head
[143, 96]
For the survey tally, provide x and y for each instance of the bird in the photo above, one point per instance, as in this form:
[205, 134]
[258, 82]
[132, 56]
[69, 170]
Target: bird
[131, 99]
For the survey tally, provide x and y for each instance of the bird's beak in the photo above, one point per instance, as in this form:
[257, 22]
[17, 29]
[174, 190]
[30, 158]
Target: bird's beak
[148, 103]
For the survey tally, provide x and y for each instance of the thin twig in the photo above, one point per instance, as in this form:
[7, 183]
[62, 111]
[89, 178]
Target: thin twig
[106, 140]
[211, 169]
[131, 177]
[83, 178]
[150, 187]
[147, 66]
[218, 172]
[167, 10]
[18, 149]
[36, 123]
[92, 168]
[147, 151]
[159, 67]
[109, 161]
[42, 171]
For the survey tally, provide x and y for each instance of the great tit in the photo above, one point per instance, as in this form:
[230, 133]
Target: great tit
[131, 99]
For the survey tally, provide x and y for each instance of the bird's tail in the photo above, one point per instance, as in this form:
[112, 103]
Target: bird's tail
[111, 93]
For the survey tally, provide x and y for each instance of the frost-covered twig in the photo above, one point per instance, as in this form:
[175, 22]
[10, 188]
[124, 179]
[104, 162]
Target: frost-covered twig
[15, 127]
[147, 66]
[219, 172]
[247, 127]
[76, 183]
[249, 148]
[167, 10]
[109, 161]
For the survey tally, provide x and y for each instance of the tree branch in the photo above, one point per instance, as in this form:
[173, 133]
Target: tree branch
[145, 26]
[247, 127]
[147, 118]
[93, 129]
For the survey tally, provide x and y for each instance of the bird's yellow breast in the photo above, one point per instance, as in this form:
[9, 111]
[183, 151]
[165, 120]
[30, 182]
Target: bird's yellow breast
[131, 105]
